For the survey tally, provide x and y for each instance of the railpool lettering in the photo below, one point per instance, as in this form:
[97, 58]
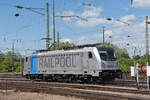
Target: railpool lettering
[49, 59]
[62, 62]
[45, 62]
[40, 61]
[68, 61]
[51, 62]
[57, 61]
[73, 65]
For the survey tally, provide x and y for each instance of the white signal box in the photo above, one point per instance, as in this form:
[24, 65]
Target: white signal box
[148, 70]
[133, 71]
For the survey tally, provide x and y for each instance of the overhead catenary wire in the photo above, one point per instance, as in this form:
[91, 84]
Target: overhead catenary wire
[31, 9]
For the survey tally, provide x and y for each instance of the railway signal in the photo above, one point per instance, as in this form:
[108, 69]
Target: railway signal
[135, 73]
[148, 77]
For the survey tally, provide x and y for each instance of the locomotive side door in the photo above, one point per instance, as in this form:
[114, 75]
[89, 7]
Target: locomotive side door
[85, 63]
[33, 64]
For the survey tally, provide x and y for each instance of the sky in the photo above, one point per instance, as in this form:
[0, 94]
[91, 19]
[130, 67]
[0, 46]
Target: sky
[27, 30]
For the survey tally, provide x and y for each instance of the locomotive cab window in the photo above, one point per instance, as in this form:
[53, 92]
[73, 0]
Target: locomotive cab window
[26, 59]
[103, 55]
[90, 55]
[108, 54]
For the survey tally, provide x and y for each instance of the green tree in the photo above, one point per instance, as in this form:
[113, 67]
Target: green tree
[125, 63]
[141, 61]
[10, 60]
[6, 64]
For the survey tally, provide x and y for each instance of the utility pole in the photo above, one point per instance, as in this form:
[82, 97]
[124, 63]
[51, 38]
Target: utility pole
[36, 10]
[131, 3]
[54, 22]
[58, 38]
[134, 55]
[103, 28]
[147, 40]
[61, 17]
[147, 52]
[12, 55]
[21, 67]
[47, 28]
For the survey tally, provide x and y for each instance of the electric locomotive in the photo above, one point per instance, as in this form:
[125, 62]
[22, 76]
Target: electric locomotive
[87, 63]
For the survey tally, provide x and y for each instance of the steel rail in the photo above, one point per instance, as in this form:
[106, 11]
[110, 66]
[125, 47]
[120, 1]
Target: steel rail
[84, 93]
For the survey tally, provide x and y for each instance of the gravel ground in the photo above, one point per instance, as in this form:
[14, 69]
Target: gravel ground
[33, 96]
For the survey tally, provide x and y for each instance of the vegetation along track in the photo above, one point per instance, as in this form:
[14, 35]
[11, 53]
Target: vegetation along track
[78, 90]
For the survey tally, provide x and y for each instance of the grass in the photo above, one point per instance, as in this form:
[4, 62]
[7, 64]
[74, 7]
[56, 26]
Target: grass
[33, 96]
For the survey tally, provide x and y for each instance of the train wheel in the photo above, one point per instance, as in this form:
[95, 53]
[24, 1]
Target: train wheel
[108, 80]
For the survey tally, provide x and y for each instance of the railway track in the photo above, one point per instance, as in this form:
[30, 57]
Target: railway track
[127, 83]
[10, 75]
[117, 82]
[106, 91]
[78, 90]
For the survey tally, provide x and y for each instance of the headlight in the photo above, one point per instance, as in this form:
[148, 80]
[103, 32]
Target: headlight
[103, 65]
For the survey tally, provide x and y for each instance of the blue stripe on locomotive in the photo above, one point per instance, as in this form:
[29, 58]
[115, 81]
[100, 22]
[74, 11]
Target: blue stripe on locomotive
[34, 64]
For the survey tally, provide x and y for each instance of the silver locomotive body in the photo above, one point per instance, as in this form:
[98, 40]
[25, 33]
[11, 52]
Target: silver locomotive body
[88, 61]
